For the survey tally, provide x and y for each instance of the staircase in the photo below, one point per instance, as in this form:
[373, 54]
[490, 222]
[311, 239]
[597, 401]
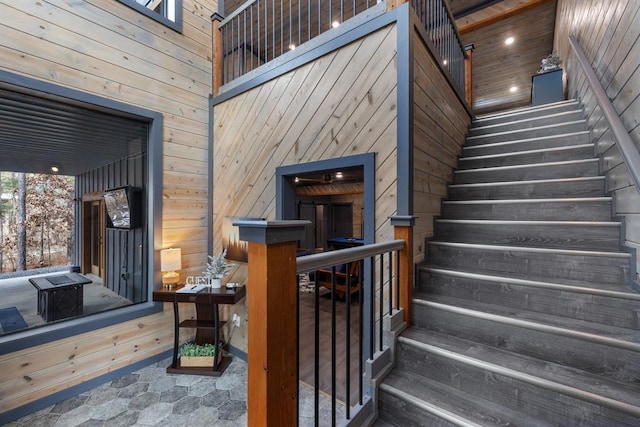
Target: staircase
[524, 315]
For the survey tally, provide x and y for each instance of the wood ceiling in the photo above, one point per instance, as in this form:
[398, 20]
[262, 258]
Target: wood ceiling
[496, 66]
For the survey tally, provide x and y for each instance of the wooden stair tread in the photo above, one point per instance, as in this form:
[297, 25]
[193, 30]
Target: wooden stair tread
[599, 289]
[621, 337]
[549, 371]
[470, 408]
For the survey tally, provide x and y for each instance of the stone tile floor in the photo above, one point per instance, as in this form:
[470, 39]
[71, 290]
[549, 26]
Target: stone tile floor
[151, 397]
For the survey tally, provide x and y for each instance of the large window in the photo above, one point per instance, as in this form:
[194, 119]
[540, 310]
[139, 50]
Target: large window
[168, 12]
[65, 268]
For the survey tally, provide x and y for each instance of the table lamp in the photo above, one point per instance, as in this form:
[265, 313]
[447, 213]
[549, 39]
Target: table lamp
[170, 260]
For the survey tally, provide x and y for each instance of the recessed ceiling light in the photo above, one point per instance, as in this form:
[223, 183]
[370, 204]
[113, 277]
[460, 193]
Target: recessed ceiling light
[55, 169]
[335, 24]
[339, 175]
[445, 62]
[509, 40]
[513, 89]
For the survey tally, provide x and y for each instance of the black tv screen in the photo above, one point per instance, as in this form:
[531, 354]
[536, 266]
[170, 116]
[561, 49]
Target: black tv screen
[123, 207]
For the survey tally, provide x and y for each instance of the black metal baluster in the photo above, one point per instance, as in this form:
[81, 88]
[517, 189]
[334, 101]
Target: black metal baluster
[390, 283]
[381, 302]
[398, 280]
[348, 345]
[333, 345]
[298, 346]
[360, 332]
[316, 362]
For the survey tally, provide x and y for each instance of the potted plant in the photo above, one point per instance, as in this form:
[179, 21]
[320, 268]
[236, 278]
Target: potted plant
[217, 268]
[198, 355]
[550, 63]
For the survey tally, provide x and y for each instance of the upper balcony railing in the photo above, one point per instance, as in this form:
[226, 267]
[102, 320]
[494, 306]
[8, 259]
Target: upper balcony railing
[262, 30]
[442, 31]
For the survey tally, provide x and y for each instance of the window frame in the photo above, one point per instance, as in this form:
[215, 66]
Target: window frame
[175, 26]
[45, 334]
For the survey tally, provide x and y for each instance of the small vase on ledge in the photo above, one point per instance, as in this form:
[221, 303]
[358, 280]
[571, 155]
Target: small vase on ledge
[216, 283]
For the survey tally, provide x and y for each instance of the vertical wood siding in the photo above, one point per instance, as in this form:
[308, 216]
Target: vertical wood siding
[440, 124]
[341, 104]
[126, 268]
[609, 34]
[107, 49]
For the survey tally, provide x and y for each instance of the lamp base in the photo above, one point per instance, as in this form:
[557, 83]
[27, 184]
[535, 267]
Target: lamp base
[170, 279]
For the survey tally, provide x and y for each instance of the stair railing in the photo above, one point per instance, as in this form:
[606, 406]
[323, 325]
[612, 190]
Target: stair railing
[630, 154]
[275, 331]
[443, 33]
[376, 297]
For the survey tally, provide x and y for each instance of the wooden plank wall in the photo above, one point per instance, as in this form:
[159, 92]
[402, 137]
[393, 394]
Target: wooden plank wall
[439, 130]
[107, 49]
[122, 254]
[341, 104]
[497, 67]
[609, 34]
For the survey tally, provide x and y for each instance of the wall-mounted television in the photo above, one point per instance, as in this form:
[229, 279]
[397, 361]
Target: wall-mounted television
[123, 207]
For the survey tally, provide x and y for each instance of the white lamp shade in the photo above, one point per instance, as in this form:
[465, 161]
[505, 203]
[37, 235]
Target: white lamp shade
[170, 259]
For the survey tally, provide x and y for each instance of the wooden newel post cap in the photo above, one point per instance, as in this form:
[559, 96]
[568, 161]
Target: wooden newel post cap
[270, 232]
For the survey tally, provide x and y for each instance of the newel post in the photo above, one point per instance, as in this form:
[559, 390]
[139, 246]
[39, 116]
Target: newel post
[403, 229]
[216, 53]
[468, 78]
[272, 386]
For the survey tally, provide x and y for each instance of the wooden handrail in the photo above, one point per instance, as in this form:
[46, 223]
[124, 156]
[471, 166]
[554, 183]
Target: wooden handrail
[630, 154]
[314, 262]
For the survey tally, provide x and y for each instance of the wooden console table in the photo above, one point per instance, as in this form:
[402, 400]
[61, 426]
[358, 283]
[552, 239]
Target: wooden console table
[207, 322]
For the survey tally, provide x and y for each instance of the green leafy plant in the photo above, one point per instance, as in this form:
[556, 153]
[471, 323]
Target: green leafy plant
[197, 350]
[551, 62]
[218, 267]
[553, 59]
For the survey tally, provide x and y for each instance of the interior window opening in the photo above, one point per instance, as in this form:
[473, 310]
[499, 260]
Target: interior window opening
[73, 209]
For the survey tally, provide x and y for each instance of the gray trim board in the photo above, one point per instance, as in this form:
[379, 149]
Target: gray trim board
[38, 336]
[30, 408]
[285, 191]
[404, 184]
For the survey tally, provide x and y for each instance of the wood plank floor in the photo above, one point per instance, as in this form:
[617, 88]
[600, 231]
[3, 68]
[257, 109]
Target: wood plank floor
[307, 347]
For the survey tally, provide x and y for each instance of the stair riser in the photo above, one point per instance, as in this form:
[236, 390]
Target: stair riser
[527, 114]
[539, 211]
[597, 269]
[400, 413]
[593, 308]
[484, 129]
[547, 405]
[528, 133]
[557, 236]
[533, 144]
[578, 153]
[573, 170]
[582, 188]
[596, 358]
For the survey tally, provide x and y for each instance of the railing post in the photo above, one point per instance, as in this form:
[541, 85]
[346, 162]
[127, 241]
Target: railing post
[392, 4]
[403, 230]
[272, 386]
[216, 53]
[468, 67]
